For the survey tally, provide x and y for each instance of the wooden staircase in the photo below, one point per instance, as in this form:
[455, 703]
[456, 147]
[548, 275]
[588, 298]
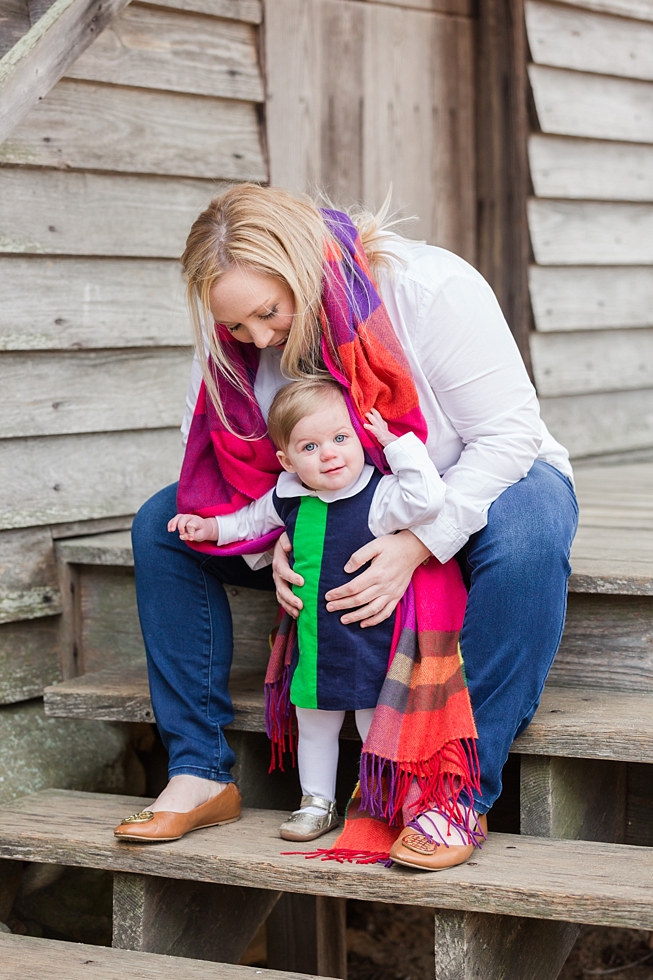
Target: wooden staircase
[586, 788]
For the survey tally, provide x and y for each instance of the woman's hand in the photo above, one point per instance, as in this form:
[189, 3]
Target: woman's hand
[379, 588]
[283, 574]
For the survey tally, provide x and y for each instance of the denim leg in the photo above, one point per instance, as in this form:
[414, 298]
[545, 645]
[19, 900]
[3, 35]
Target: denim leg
[517, 569]
[186, 623]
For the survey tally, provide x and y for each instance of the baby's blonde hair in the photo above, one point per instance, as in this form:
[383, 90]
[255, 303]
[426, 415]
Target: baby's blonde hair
[294, 402]
[278, 234]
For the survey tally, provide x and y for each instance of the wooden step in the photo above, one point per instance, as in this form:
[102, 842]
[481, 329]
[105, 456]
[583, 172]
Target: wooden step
[571, 723]
[26, 958]
[542, 878]
[611, 560]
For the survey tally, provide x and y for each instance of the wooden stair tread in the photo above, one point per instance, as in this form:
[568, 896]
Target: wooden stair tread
[614, 560]
[574, 723]
[577, 881]
[27, 958]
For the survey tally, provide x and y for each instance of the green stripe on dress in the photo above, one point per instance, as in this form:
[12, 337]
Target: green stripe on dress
[308, 542]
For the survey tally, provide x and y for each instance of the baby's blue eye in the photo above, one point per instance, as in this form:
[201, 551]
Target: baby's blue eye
[340, 438]
[310, 446]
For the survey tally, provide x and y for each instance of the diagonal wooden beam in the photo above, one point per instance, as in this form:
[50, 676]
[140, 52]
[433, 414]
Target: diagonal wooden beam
[38, 60]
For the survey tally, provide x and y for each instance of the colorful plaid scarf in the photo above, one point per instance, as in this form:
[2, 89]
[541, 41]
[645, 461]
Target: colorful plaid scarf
[423, 730]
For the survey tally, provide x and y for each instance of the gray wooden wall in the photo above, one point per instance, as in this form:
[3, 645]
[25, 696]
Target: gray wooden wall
[591, 220]
[98, 187]
[363, 94]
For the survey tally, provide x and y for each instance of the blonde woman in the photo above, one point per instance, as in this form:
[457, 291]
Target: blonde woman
[255, 265]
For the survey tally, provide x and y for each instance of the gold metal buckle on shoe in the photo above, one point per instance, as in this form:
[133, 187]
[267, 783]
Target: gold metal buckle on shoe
[141, 817]
[419, 843]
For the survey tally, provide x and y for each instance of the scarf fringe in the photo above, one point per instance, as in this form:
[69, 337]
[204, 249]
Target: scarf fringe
[345, 854]
[441, 781]
[280, 721]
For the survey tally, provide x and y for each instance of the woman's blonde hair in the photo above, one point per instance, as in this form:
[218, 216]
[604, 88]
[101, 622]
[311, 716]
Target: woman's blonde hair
[294, 402]
[278, 234]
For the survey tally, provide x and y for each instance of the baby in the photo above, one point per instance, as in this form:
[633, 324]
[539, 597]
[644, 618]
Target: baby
[331, 503]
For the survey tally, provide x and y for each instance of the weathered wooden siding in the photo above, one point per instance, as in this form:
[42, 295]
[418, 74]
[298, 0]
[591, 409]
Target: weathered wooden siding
[591, 221]
[98, 187]
[363, 94]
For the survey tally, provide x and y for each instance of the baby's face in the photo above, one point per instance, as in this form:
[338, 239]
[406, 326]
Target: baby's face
[324, 450]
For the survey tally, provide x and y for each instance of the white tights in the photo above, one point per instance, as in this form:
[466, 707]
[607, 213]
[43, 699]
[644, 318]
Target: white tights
[317, 750]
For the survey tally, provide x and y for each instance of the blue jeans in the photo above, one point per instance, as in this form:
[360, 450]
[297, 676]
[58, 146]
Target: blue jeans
[516, 567]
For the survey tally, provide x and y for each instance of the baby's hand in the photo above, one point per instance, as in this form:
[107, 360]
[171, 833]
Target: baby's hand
[194, 528]
[379, 428]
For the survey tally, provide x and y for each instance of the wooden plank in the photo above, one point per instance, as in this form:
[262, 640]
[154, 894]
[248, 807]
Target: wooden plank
[503, 180]
[608, 645]
[591, 233]
[63, 478]
[612, 561]
[590, 169]
[344, 114]
[578, 881]
[28, 575]
[639, 9]
[247, 10]
[39, 59]
[92, 391]
[564, 37]
[571, 103]
[165, 49]
[37, 8]
[99, 549]
[138, 131]
[618, 496]
[121, 693]
[187, 918]
[590, 724]
[591, 361]
[14, 22]
[59, 213]
[567, 298]
[29, 658]
[26, 958]
[87, 302]
[462, 8]
[589, 425]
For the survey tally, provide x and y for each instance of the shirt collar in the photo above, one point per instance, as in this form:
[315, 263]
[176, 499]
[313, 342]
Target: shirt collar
[289, 485]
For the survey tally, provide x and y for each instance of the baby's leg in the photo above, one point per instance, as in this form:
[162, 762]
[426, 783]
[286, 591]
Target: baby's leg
[317, 752]
[364, 721]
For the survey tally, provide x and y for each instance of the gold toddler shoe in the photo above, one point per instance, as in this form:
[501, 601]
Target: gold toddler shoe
[301, 826]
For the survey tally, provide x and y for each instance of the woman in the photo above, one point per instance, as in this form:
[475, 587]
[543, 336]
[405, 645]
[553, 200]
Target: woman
[254, 263]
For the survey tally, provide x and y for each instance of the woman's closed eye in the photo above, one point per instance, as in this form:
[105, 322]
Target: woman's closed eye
[268, 316]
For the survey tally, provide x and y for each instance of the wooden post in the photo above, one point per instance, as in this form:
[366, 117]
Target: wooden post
[573, 799]
[187, 918]
[307, 934]
[503, 176]
[477, 946]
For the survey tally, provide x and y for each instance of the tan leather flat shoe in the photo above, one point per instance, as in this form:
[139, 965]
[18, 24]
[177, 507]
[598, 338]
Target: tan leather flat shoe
[167, 825]
[415, 850]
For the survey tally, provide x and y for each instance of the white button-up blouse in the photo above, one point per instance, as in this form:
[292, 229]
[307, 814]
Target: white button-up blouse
[484, 425]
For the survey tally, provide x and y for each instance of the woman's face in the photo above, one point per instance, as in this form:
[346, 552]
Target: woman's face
[255, 308]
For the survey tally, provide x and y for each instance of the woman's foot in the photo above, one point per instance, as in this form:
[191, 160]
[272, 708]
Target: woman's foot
[183, 806]
[316, 816]
[185, 792]
[432, 842]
